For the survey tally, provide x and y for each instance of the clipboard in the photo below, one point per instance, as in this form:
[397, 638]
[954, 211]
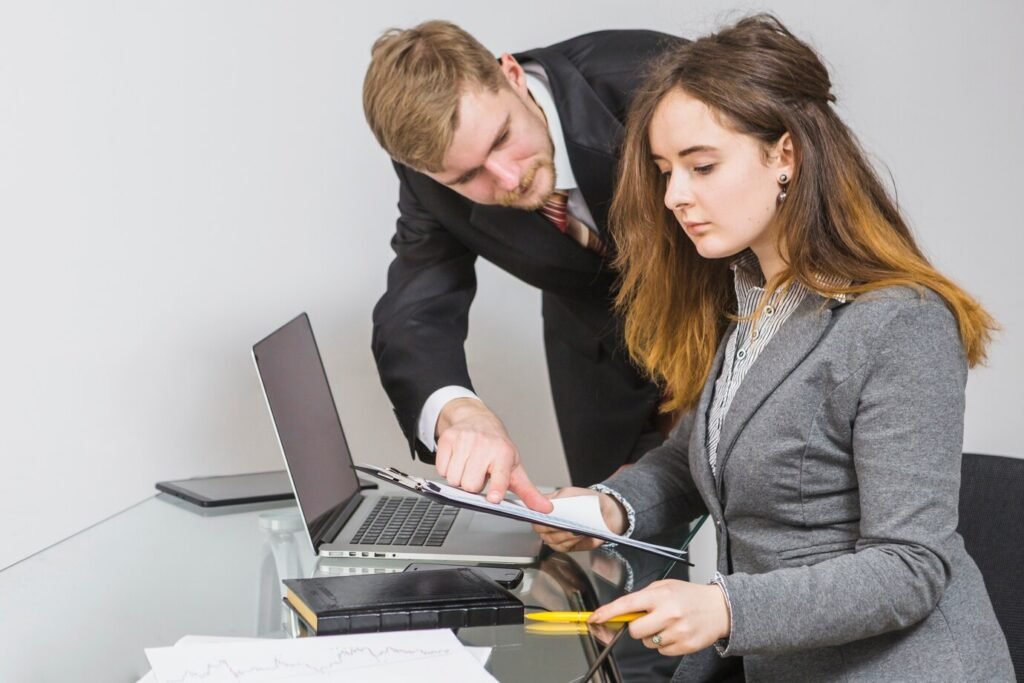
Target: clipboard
[449, 495]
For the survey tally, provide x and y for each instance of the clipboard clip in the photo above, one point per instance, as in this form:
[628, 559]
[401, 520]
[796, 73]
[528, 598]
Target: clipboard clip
[419, 482]
[397, 476]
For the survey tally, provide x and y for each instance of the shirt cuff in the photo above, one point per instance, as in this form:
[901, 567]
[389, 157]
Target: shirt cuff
[630, 577]
[722, 644]
[630, 512]
[432, 408]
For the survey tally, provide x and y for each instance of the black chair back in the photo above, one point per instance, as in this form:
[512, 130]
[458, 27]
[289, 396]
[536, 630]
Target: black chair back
[992, 524]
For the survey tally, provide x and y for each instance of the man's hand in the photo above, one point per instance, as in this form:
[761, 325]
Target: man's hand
[474, 449]
[565, 541]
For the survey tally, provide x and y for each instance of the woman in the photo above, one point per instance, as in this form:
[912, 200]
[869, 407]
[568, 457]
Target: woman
[771, 284]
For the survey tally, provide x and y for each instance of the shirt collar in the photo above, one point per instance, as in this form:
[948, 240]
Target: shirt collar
[749, 278]
[537, 83]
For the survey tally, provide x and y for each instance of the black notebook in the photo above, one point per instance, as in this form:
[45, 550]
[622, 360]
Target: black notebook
[365, 603]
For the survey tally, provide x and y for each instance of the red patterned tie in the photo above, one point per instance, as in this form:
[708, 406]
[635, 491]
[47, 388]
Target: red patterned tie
[556, 210]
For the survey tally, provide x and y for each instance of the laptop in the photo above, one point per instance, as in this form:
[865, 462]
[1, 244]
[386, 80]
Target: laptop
[342, 520]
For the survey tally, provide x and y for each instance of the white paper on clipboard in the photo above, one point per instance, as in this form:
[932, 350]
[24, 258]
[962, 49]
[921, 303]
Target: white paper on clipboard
[508, 508]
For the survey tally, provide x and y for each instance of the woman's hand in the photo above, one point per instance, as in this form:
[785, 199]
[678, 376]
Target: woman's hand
[565, 541]
[686, 616]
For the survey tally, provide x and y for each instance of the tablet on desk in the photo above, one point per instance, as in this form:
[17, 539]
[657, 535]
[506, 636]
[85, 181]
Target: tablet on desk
[234, 489]
[237, 489]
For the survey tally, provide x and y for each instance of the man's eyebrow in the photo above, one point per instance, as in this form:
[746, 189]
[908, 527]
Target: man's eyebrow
[498, 139]
[688, 151]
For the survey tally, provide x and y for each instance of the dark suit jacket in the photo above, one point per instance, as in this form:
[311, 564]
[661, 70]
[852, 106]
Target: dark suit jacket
[605, 409]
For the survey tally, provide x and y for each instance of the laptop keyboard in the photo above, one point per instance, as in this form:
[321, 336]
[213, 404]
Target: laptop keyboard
[404, 520]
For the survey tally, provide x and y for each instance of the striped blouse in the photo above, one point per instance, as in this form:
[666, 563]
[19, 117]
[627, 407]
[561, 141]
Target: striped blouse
[749, 338]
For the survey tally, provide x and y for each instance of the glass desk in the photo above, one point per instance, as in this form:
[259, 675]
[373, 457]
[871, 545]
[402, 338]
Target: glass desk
[84, 609]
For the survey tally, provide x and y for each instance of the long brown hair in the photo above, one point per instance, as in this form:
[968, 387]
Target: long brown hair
[837, 220]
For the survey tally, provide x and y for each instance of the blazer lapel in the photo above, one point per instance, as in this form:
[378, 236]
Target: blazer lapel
[700, 464]
[787, 349]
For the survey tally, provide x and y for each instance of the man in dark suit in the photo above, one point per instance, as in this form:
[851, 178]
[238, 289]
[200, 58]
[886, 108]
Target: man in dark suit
[513, 160]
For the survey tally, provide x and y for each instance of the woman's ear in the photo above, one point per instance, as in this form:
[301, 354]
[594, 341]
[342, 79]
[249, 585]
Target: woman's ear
[784, 156]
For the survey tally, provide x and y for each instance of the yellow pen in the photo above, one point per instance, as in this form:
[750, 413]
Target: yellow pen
[572, 617]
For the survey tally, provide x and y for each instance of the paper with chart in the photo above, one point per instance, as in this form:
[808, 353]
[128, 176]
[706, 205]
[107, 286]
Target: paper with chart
[434, 656]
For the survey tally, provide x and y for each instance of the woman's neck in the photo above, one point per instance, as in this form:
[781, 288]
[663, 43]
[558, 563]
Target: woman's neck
[771, 262]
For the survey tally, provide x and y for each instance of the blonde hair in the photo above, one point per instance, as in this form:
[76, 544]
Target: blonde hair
[412, 88]
[837, 220]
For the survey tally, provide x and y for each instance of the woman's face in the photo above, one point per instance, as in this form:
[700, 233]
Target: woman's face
[719, 184]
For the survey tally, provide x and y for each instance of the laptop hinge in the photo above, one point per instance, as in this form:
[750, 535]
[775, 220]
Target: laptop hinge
[327, 527]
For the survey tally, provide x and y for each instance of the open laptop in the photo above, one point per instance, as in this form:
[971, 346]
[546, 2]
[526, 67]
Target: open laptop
[341, 520]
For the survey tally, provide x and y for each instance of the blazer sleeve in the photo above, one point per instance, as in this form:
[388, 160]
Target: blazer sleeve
[907, 441]
[659, 486]
[421, 321]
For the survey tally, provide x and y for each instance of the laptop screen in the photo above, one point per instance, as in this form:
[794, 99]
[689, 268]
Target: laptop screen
[307, 422]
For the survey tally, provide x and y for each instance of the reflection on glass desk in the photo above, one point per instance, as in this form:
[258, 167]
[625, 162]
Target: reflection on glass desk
[85, 608]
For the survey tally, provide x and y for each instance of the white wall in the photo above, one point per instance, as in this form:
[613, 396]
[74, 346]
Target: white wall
[178, 178]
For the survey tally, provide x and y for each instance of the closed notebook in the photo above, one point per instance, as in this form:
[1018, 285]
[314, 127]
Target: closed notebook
[365, 603]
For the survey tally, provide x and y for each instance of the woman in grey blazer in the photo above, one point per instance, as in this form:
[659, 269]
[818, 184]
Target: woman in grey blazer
[819, 360]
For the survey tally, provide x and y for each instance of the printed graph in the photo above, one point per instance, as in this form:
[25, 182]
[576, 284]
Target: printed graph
[419, 655]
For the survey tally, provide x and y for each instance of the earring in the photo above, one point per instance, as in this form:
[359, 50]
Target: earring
[783, 182]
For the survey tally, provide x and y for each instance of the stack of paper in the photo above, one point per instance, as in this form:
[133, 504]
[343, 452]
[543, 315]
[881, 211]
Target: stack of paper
[424, 656]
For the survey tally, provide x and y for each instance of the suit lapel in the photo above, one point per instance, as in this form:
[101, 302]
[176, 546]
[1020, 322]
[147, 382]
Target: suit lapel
[787, 349]
[534, 236]
[592, 132]
[595, 175]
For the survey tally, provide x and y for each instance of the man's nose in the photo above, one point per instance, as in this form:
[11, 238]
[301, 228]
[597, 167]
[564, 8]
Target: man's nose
[505, 173]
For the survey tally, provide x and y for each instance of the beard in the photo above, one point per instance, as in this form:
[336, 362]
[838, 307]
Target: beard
[520, 198]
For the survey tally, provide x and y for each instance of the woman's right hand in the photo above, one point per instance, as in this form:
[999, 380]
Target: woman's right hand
[565, 541]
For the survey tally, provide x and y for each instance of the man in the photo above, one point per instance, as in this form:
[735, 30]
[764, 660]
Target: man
[480, 148]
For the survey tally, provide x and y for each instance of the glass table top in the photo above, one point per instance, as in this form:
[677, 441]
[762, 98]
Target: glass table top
[85, 608]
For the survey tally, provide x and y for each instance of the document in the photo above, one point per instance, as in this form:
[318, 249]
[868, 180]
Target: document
[582, 510]
[434, 656]
[578, 517]
[191, 640]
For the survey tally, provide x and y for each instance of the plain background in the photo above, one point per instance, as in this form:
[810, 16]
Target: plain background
[179, 178]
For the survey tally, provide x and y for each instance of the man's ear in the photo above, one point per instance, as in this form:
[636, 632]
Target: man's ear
[514, 73]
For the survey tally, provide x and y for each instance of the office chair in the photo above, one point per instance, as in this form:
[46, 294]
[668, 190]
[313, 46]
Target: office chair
[992, 524]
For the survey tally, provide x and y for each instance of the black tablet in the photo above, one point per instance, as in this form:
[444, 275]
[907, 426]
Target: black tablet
[233, 489]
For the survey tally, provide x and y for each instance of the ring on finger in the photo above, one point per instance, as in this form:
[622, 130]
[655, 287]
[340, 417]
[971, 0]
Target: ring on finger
[656, 639]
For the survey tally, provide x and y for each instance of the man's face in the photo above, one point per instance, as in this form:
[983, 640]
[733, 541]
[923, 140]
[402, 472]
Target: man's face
[501, 152]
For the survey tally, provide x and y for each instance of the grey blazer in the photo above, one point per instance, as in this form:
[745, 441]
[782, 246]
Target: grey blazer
[835, 502]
